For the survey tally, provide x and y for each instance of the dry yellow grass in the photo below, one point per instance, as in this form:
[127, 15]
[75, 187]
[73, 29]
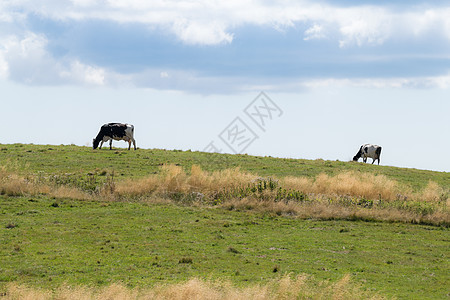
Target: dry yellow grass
[433, 192]
[173, 179]
[300, 287]
[327, 211]
[347, 184]
[61, 192]
[14, 185]
[329, 197]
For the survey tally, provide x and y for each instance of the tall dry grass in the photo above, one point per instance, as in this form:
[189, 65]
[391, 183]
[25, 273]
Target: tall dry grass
[348, 195]
[434, 193]
[365, 185]
[328, 211]
[15, 185]
[173, 179]
[299, 287]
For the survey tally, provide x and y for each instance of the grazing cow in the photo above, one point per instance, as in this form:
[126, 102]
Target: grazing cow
[116, 131]
[368, 150]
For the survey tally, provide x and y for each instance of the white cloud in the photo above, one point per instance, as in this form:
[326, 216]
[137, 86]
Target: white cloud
[84, 3]
[26, 59]
[4, 70]
[24, 56]
[363, 26]
[429, 22]
[197, 33]
[314, 33]
[440, 82]
[82, 73]
[208, 22]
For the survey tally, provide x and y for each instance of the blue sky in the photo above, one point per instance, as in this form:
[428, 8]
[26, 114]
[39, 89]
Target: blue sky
[342, 72]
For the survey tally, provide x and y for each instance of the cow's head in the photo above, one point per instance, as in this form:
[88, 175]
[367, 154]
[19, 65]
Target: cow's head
[358, 155]
[95, 143]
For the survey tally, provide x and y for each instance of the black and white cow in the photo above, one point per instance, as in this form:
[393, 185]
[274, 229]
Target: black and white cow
[116, 131]
[368, 150]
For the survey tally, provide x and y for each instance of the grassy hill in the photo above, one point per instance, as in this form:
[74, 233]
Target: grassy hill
[73, 216]
[49, 159]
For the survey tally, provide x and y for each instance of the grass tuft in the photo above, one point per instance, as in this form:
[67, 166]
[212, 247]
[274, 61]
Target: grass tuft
[186, 260]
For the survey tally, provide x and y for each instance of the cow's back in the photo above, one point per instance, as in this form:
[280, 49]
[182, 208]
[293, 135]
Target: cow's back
[370, 150]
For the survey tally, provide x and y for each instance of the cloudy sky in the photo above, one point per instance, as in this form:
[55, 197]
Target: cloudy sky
[188, 74]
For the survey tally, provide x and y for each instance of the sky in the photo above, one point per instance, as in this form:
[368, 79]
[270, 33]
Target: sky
[297, 79]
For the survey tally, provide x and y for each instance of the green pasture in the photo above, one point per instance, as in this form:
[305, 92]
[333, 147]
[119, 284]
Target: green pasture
[47, 242]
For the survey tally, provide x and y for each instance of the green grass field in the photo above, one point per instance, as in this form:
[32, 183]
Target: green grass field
[48, 241]
[50, 159]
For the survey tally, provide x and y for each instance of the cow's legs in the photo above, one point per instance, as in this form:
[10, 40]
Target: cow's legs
[134, 144]
[101, 144]
[129, 144]
[110, 144]
[365, 159]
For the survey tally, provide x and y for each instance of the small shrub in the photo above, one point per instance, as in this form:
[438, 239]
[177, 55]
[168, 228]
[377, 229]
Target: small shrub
[10, 226]
[185, 260]
[233, 250]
